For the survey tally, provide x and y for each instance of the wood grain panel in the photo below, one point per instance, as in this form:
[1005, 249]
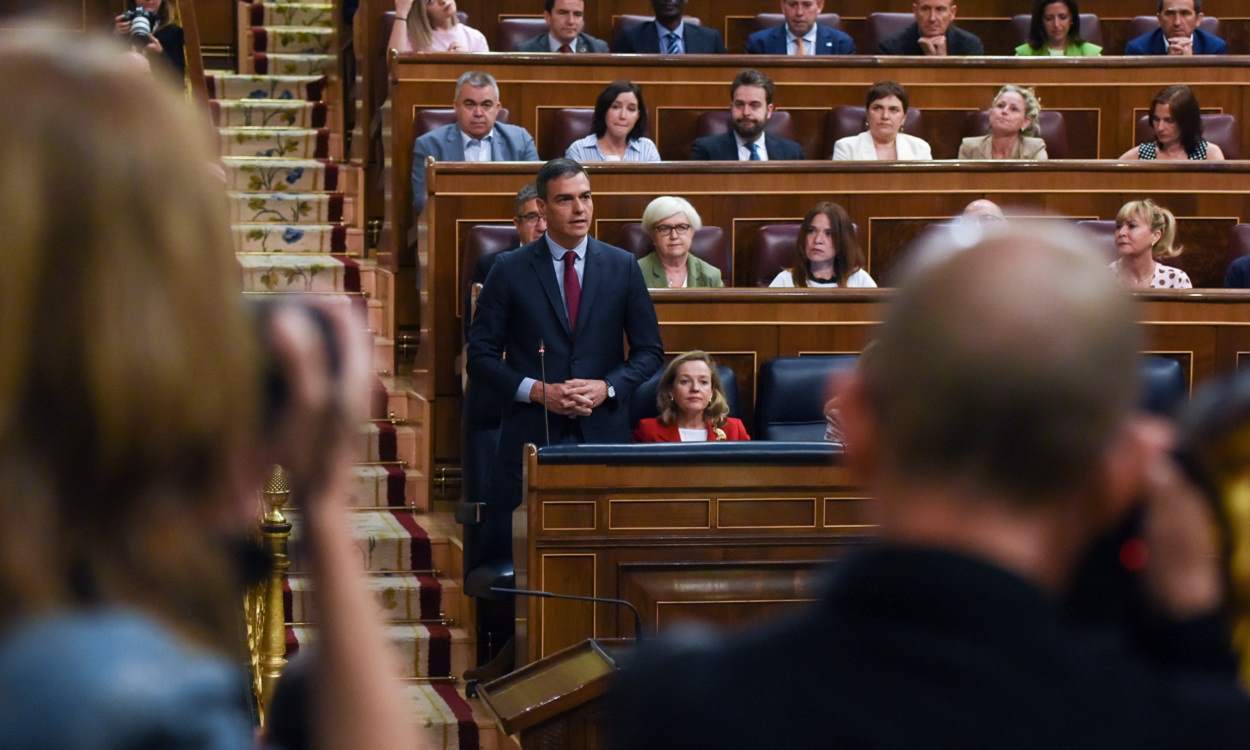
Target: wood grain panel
[848, 513]
[659, 514]
[766, 513]
[568, 515]
[566, 573]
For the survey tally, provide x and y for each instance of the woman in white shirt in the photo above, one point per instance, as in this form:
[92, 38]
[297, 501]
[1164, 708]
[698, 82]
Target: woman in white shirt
[826, 253]
[618, 127]
[433, 26]
[884, 139]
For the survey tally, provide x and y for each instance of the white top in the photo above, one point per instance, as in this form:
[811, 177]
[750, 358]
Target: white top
[1056, 52]
[744, 148]
[858, 280]
[462, 37]
[698, 435]
[477, 150]
[861, 148]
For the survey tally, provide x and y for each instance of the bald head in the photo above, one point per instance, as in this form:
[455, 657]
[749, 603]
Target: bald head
[1008, 366]
[983, 209]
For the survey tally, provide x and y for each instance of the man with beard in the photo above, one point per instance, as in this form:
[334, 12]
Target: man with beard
[669, 34]
[751, 104]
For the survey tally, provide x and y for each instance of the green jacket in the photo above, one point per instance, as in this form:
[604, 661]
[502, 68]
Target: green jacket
[1084, 49]
[698, 273]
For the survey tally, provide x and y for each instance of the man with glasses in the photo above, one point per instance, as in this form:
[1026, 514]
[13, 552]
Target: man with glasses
[530, 225]
[474, 136]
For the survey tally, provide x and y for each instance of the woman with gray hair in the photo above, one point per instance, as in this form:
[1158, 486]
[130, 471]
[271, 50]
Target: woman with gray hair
[671, 223]
[1014, 128]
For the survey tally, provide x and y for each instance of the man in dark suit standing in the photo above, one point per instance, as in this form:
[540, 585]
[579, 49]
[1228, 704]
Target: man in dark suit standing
[571, 300]
[566, 20]
[801, 34]
[751, 105]
[669, 34]
[934, 33]
[999, 440]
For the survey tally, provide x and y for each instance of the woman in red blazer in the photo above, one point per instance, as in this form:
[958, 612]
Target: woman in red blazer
[692, 405]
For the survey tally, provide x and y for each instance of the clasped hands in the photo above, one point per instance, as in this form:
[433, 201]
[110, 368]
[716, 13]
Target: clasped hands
[1181, 45]
[572, 398]
[933, 45]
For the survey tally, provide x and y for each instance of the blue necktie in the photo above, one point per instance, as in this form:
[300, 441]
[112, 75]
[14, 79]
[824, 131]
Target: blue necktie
[755, 152]
[672, 43]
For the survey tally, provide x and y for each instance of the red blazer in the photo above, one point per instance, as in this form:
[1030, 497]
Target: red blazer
[650, 430]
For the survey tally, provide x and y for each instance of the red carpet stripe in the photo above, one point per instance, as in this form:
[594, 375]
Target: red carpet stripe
[388, 442]
[351, 274]
[258, 15]
[463, 712]
[378, 405]
[318, 115]
[396, 487]
[422, 557]
[331, 174]
[292, 643]
[260, 39]
[440, 651]
[334, 212]
[288, 601]
[323, 143]
[260, 63]
[431, 597]
[338, 239]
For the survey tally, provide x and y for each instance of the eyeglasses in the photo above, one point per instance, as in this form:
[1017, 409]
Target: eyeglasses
[681, 230]
[530, 217]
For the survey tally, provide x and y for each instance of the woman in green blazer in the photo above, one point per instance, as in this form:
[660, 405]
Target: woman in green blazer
[1056, 32]
[671, 223]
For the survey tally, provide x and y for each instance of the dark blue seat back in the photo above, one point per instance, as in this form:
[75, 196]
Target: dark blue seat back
[1164, 385]
[642, 404]
[792, 394]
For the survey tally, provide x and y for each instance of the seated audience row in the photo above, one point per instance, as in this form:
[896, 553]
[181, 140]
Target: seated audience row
[1054, 30]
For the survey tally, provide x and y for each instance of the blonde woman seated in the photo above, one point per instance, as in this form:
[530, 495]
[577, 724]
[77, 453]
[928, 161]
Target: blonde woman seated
[826, 253]
[883, 139]
[432, 26]
[692, 404]
[1145, 233]
[1013, 128]
[671, 223]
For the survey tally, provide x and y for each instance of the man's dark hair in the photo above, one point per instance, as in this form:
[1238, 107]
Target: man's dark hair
[1159, 6]
[1185, 111]
[753, 78]
[882, 89]
[1037, 29]
[604, 103]
[553, 170]
[548, 5]
[523, 196]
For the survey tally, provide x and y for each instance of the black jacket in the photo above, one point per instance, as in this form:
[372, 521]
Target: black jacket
[724, 147]
[645, 40]
[917, 648]
[907, 42]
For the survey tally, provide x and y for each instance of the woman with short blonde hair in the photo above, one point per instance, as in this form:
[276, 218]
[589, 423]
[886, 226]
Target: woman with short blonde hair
[1145, 233]
[1014, 128]
[671, 223]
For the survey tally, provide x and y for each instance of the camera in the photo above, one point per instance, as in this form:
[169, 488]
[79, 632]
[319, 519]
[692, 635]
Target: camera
[141, 24]
[275, 381]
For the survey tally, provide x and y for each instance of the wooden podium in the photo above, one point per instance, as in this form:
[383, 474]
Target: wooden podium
[557, 702]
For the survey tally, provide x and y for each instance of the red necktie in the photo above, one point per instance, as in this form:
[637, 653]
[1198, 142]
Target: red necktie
[566, 49]
[572, 288]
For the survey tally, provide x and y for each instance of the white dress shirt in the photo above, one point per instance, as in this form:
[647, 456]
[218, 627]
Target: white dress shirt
[557, 266]
[475, 149]
[663, 33]
[744, 148]
[556, 44]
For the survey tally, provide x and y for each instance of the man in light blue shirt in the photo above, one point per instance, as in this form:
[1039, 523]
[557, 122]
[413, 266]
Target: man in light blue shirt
[801, 34]
[670, 33]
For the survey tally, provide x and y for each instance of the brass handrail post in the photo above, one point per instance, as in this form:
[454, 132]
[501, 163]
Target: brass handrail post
[275, 530]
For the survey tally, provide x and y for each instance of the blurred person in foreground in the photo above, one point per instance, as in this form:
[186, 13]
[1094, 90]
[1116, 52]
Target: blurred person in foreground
[999, 439]
[133, 442]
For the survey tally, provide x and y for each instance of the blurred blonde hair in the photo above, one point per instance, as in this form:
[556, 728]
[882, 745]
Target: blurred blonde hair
[128, 373]
[717, 408]
[420, 32]
[1160, 220]
[1032, 107]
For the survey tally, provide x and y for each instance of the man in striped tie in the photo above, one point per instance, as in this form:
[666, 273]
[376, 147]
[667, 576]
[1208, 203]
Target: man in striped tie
[671, 33]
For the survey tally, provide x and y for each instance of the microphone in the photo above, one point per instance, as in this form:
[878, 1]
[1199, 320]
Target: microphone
[578, 598]
[542, 367]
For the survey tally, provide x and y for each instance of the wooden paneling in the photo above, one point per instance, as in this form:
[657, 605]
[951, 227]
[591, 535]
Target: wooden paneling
[77, 15]
[759, 557]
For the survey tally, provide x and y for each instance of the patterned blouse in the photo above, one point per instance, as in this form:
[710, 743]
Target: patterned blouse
[1150, 151]
[1165, 277]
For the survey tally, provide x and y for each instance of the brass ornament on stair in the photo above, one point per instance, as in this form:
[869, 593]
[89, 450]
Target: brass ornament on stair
[275, 529]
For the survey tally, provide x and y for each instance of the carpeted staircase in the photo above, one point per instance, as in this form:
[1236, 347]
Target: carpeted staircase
[297, 230]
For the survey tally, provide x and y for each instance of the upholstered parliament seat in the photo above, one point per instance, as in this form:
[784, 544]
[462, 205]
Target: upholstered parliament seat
[513, 31]
[1217, 128]
[710, 245]
[792, 391]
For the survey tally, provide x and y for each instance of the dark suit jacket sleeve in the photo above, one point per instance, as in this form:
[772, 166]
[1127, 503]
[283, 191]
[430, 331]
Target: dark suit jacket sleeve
[529, 152]
[1238, 274]
[488, 335]
[717, 42]
[1141, 45]
[843, 44]
[755, 44]
[595, 44]
[642, 331]
[699, 151]
[783, 149]
[967, 43]
[627, 43]
[419, 152]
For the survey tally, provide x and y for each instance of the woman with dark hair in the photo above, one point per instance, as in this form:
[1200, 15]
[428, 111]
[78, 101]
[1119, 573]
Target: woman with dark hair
[692, 404]
[883, 138]
[167, 37]
[617, 132]
[1176, 120]
[1056, 31]
[826, 252]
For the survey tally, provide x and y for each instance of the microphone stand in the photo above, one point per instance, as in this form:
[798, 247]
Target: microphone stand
[542, 366]
[579, 598]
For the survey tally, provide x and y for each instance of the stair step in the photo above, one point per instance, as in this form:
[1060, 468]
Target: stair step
[281, 143]
[291, 14]
[299, 238]
[404, 596]
[286, 64]
[293, 272]
[392, 541]
[449, 720]
[384, 486]
[248, 86]
[290, 113]
[381, 441]
[291, 40]
[260, 174]
[425, 650]
[291, 208]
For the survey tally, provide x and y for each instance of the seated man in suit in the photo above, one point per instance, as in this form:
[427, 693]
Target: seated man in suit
[1238, 274]
[999, 438]
[800, 34]
[530, 225]
[566, 20]
[474, 136]
[751, 104]
[669, 34]
[1178, 33]
[564, 304]
[934, 33]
